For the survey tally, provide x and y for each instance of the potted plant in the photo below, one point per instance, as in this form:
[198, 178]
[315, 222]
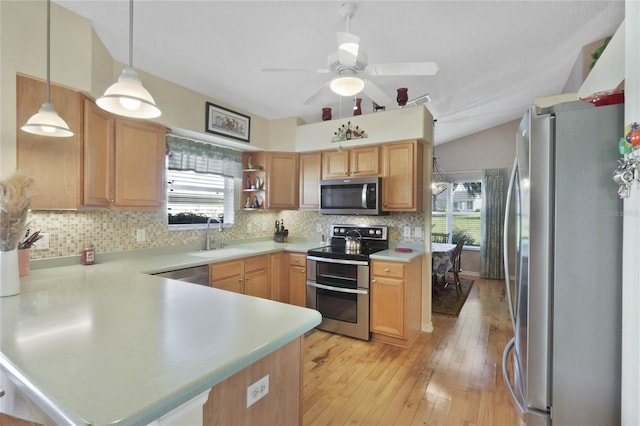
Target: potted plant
[16, 192]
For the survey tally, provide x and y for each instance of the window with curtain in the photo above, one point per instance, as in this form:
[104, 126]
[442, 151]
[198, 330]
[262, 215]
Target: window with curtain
[456, 211]
[203, 182]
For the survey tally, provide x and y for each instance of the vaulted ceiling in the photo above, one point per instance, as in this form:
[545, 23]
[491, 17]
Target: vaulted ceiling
[494, 57]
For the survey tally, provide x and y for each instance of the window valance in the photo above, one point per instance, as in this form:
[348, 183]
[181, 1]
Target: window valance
[203, 157]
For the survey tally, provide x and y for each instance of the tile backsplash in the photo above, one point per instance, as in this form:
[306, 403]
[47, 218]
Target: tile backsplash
[113, 231]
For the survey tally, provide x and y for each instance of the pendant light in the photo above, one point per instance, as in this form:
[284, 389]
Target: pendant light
[128, 97]
[47, 122]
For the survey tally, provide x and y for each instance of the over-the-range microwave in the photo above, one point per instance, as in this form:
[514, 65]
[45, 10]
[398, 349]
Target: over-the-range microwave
[357, 196]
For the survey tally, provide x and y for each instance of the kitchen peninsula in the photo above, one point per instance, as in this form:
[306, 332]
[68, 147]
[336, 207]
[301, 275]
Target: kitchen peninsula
[110, 344]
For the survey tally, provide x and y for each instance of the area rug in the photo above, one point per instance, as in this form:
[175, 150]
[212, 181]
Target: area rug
[445, 301]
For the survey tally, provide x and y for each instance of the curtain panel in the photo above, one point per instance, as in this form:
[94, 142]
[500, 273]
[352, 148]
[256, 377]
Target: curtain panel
[491, 224]
[203, 157]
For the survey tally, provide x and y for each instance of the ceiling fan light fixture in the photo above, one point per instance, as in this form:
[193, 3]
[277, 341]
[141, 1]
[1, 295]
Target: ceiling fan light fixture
[347, 85]
[128, 97]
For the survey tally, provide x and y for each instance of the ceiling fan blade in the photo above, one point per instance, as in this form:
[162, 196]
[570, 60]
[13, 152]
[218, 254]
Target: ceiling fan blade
[317, 93]
[348, 46]
[315, 70]
[403, 68]
[376, 94]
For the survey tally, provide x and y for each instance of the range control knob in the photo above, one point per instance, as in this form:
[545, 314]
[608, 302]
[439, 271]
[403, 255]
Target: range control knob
[342, 230]
[371, 232]
[378, 232]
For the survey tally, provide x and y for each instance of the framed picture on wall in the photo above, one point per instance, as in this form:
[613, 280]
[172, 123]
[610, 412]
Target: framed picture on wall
[224, 122]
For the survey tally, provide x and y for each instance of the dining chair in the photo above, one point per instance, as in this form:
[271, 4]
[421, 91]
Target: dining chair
[438, 237]
[456, 268]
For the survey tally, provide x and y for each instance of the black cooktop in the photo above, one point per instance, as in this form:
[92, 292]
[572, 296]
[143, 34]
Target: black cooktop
[374, 239]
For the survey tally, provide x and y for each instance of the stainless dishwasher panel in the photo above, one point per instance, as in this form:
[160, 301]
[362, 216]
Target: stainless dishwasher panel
[196, 275]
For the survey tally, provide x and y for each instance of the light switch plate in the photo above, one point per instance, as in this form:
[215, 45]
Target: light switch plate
[417, 232]
[407, 232]
[42, 243]
[141, 235]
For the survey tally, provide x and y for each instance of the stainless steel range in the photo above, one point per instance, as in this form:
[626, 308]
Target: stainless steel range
[338, 278]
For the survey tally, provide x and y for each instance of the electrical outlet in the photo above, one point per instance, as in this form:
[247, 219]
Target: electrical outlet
[318, 227]
[417, 232]
[249, 228]
[141, 235]
[257, 390]
[407, 232]
[42, 243]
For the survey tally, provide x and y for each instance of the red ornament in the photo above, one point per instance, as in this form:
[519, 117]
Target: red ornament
[634, 137]
[326, 114]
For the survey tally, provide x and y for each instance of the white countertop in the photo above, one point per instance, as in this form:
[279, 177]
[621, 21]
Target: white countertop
[108, 343]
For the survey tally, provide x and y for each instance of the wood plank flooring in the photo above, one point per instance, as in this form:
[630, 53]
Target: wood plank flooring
[452, 376]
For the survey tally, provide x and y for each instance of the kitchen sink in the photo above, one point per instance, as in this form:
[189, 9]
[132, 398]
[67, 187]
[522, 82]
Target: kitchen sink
[220, 253]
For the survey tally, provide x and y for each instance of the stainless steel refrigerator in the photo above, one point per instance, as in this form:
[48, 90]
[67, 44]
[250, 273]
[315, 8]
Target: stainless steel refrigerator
[563, 238]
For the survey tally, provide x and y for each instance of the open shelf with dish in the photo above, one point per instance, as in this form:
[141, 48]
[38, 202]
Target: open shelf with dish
[254, 180]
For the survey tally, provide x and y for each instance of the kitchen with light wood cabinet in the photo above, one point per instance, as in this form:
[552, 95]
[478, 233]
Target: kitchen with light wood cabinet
[55, 164]
[309, 175]
[402, 171]
[248, 276]
[353, 162]
[298, 279]
[396, 294]
[110, 162]
[282, 181]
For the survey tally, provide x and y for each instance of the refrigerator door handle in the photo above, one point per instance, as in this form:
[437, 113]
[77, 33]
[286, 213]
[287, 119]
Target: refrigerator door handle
[507, 377]
[505, 244]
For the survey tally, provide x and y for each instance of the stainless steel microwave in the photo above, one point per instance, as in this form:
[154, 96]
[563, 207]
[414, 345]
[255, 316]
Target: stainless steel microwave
[358, 196]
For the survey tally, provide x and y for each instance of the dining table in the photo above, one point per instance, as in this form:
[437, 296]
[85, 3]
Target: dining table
[441, 258]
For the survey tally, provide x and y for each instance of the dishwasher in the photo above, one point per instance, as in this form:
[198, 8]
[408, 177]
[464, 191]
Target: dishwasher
[196, 275]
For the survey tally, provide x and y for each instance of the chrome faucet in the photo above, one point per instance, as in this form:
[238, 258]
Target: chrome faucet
[207, 244]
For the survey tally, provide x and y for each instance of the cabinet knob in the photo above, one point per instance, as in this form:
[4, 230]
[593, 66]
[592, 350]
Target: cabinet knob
[303, 271]
[247, 278]
[374, 280]
[386, 269]
[240, 280]
[296, 260]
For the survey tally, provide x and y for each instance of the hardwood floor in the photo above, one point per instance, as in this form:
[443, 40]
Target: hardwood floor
[452, 376]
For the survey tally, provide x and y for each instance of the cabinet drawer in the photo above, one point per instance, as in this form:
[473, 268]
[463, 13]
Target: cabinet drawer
[387, 269]
[225, 269]
[256, 263]
[297, 259]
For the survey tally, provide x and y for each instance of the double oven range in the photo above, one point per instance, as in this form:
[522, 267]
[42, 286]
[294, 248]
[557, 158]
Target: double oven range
[338, 278]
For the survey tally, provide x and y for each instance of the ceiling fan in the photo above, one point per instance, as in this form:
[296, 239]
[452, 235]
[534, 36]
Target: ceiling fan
[350, 62]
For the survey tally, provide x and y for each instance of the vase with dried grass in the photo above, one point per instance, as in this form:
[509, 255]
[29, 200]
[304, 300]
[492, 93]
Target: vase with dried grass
[16, 192]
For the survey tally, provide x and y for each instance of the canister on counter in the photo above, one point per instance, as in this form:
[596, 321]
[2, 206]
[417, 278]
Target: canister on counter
[88, 255]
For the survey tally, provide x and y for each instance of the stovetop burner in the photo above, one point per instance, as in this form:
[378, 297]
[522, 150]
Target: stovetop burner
[374, 239]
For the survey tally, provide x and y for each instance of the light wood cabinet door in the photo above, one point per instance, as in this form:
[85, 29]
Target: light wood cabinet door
[298, 279]
[279, 279]
[282, 181]
[310, 173]
[98, 156]
[402, 176]
[227, 275]
[256, 277]
[364, 161]
[140, 150]
[335, 164]
[55, 164]
[388, 309]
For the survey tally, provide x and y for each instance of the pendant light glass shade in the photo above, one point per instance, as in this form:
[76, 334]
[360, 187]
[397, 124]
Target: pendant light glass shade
[346, 86]
[47, 122]
[127, 97]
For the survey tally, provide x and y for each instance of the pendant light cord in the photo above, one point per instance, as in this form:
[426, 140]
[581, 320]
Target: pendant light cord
[48, 88]
[130, 33]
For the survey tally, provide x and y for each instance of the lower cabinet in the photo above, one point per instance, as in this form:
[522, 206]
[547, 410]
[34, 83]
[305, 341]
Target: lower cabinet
[298, 279]
[247, 276]
[396, 295]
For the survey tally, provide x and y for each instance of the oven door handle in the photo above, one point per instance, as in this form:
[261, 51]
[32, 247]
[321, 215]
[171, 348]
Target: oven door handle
[341, 261]
[338, 289]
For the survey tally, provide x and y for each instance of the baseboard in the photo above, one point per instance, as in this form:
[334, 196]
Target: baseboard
[427, 328]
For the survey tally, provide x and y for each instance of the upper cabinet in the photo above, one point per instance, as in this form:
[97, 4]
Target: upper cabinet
[402, 176]
[110, 162]
[282, 180]
[354, 162]
[54, 163]
[310, 174]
